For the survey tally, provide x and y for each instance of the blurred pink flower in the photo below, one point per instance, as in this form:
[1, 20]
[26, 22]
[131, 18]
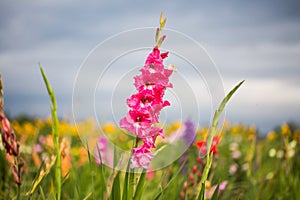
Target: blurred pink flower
[150, 174]
[37, 148]
[236, 154]
[103, 150]
[233, 168]
[209, 192]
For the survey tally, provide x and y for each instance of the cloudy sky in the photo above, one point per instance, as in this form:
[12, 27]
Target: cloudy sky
[256, 41]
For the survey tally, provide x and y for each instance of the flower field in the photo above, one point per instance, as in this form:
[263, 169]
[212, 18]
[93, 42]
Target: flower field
[245, 165]
[141, 158]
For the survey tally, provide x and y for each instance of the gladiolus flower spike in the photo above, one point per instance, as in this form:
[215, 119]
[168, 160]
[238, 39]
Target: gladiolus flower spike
[146, 104]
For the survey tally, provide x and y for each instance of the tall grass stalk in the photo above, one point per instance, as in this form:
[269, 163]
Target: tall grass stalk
[55, 133]
[212, 134]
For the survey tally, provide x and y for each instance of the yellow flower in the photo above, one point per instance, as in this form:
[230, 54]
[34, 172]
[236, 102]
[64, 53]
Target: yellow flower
[39, 123]
[252, 130]
[271, 136]
[176, 125]
[203, 133]
[109, 128]
[285, 130]
[207, 184]
[234, 129]
[297, 135]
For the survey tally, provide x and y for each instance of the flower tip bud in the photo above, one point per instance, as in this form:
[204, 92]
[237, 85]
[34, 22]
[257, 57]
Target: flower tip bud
[172, 67]
[162, 21]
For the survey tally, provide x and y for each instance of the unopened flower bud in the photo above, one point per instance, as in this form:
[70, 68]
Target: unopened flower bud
[199, 174]
[182, 195]
[185, 186]
[194, 169]
[191, 177]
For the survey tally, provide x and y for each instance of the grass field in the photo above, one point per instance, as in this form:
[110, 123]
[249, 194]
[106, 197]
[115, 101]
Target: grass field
[247, 166]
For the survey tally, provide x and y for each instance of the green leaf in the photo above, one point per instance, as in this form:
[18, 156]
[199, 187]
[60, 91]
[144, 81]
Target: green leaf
[201, 194]
[91, 170]
[42, 193]
[130, 184]
[218, 113]
[216, 192]
[125, 187]
[36, 180]
[102, 178]
[140, 186]
[88, 196]
[213, 132]
[116, 190]
[126, 180]
[172, 179]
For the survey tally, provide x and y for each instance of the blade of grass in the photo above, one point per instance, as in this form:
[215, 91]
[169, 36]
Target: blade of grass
[42, 193]
[42, 173]
[217, 114]
[129, 177]
[92, 171]
[55, 133]
[131, 184]
[65, 178]
[125, 184]
[88, 196]
[102, 178]
[216, 192]
[172, 179]
[74, 180]
[113, 184]
[140, 186]
[116, 190]
[34, 185]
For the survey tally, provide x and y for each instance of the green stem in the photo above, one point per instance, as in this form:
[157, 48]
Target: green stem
[19, 190]
[213, 132]
[55, 133]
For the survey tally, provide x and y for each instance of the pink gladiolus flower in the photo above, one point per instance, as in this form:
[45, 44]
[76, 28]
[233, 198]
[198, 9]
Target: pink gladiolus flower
[145, 107]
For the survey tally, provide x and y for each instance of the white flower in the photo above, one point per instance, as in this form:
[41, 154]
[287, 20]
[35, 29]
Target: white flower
[292, 144]
[291, 153]
[245, 167]
[233, 146]
[280, 154]
[272, 152]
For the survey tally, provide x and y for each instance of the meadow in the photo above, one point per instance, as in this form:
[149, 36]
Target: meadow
[246, 166]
